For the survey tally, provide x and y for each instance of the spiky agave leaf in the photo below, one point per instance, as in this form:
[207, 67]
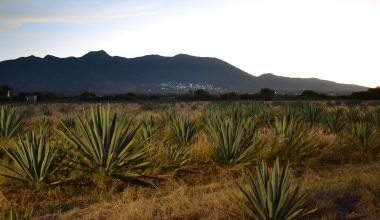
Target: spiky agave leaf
[271, 197]
[375, 117]
[301, 147]
[312, 113]
[362, 132]
[32, 160]
[149, 127]
[44, 123]
[353, 115]
[177, 156]
[183, 130]
[104, 144]
[335, 122]
[287, 126]
[10, 121]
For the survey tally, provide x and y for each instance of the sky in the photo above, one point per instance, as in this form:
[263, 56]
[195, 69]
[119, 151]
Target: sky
[336, 40]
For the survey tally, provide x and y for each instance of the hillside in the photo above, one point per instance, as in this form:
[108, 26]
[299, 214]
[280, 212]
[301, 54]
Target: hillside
[102, 73]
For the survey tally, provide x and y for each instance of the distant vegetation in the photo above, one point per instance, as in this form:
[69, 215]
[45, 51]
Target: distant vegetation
[196, 95]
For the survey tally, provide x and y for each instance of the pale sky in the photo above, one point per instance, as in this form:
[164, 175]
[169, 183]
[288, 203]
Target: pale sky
[336, 40]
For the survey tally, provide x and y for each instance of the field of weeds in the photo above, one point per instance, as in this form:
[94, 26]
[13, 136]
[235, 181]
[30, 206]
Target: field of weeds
[190, 160]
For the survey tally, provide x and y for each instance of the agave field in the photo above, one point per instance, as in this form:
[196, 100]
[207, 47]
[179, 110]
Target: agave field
[190, 160]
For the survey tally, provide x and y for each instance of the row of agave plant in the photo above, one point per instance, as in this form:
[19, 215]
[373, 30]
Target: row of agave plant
[115, 145]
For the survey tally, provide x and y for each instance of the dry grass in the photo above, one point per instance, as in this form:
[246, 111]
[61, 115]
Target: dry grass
[339, 192]
[341, 183]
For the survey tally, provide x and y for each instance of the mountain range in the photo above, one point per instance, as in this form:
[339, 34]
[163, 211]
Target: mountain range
[104, 74]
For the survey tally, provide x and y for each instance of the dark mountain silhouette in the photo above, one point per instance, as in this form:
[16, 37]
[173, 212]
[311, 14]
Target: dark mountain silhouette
[102, 73]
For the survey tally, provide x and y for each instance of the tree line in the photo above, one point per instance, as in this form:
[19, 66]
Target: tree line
[7, 94]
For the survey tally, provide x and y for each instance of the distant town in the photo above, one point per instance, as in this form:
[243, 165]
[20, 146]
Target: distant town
[180, 86]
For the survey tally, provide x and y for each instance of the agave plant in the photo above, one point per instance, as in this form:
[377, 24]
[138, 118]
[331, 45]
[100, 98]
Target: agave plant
[335, 122]
[353, 115]
[10, 122]
[235, 112]
[149, 128]
[44, 123]
[170, 114]
[265, 117]
[300, 147]
[312, 113]
[176, 156]
[271, 197]
[104, 144]
[183, 130]
[376, 118]
[362, 131]
[286, 126]
[254, 109]
[32, 160]
[233, 140]
[291, 111]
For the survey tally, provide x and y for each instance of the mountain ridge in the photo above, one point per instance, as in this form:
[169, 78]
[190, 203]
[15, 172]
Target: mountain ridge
[99, 72]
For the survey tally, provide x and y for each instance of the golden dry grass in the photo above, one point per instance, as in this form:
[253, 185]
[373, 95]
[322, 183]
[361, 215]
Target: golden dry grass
[341, 182]
[339, 192]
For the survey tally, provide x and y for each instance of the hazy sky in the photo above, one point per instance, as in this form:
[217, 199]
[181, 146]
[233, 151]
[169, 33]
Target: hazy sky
[337, 40]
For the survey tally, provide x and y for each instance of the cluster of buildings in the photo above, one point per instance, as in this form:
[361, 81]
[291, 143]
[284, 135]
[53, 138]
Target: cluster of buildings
[180, 86]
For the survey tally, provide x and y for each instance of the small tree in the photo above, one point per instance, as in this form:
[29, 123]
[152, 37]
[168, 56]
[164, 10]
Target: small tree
[87, 95]
[267, 93]
[201, 93]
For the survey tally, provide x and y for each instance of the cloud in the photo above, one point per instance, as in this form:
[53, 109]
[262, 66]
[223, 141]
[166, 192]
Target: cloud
[14, 13]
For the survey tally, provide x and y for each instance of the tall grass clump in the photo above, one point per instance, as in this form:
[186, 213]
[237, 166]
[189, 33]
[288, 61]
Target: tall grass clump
[32, 160]
[104, 144]
[14, 214]
[271, 196]
[11, 122]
